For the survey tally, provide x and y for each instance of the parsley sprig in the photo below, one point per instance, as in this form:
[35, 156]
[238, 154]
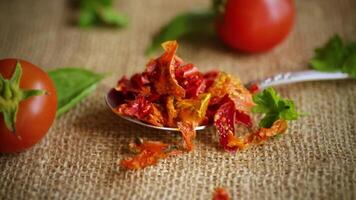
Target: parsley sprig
[334, 56]
[274, 107]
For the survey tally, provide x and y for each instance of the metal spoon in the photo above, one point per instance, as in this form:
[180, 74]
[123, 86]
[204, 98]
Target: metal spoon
[279, 79]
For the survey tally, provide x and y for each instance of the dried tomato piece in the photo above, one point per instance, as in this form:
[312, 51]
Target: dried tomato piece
[221, 194]
[141, 109]
[166, 82]
[234, 142]
[149, 153]
[136, 85]
[171, 111]
[210, 78]
[263, 134]
[225, 84]
[185, 70]
[188, 132]
[155, 117]
[124, 85]
[224, 121]
[138, 108]
[254, 88]
[139, 80]
[193, 110]
[191, 80]
[243, 118]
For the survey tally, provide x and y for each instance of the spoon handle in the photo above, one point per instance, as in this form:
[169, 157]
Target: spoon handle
[301, 76]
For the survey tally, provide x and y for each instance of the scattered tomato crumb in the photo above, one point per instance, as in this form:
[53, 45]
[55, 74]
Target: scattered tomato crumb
[220, 194]
[254, 88]
[149, 152]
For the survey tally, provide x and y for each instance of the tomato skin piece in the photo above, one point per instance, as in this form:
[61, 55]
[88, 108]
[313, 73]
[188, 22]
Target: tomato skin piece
[35, 115]
[256, 25]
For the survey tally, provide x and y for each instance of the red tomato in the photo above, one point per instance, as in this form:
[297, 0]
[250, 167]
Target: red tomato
[35, 115]
[256, 25]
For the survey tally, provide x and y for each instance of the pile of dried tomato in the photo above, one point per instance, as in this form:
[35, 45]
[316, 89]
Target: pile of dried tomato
[172, 93]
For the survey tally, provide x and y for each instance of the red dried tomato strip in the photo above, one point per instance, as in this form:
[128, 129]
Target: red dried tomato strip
[191, 80]
[124, 85]
[149, 153]
[224, 121]
[243, 118]
[210, 78]
[225, 118]
[138, 108]
[221, 194]
[141, 109]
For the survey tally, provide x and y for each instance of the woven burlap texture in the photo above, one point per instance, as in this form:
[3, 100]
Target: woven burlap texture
[315, 159]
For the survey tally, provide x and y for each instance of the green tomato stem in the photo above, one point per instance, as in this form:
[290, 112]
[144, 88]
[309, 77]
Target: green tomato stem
[12, 95]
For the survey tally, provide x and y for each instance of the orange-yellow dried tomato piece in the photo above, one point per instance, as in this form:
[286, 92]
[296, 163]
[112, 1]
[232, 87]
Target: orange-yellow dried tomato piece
[227, 84]
[171, 111]
[155, 117]
[193, 110]
[149, 152]
[234, 142]
[278, 127]
[188, 132]
[167, 83]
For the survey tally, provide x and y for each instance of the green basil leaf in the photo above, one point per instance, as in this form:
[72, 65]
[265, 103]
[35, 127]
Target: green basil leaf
[86, 17]
[111, 17]
[73, 85]
[100, 12]
[182, 25]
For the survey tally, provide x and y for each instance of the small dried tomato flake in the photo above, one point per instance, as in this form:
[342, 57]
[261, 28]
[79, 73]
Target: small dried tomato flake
[221, 194]
[149, 153]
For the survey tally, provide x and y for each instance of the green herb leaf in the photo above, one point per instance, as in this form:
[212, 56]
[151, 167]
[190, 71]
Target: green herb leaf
[73, 85]
[273, 107]
[94, 12]
[183, 25]
[335, 56]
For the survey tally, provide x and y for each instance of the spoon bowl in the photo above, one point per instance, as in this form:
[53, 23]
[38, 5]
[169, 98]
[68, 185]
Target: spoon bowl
[112, 102]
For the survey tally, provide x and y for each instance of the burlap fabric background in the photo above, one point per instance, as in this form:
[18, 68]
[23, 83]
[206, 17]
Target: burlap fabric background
[316, 159]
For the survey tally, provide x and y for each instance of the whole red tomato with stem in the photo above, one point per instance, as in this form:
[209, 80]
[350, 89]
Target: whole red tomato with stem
[28, 104]
[255, 25]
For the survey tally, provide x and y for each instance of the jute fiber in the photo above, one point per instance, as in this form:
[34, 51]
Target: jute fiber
[315, 159]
